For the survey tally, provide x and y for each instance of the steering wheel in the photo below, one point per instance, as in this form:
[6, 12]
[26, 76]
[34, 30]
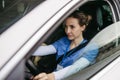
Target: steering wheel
[33, 69]
[47, 64]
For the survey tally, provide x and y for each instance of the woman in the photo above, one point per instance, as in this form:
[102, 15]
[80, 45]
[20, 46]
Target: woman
[75, 25]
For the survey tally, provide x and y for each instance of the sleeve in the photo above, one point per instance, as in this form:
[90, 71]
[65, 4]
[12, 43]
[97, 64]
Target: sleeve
[44, 50]
[77, 66]
[91, 52]
[61, 45]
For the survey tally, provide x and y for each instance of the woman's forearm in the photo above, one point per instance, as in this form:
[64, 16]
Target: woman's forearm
[77, 66]
[44, 50]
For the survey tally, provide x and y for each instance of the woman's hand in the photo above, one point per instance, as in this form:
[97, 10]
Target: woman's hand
[44, 76]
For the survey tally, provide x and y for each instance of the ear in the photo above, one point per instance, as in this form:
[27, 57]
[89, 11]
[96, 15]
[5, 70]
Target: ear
[83, 28]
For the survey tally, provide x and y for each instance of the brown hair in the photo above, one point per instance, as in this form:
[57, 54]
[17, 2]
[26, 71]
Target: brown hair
[82, 17]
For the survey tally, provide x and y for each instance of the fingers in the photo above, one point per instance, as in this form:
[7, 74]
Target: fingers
[42, 76]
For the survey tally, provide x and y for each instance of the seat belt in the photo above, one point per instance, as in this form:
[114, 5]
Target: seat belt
[71, 52]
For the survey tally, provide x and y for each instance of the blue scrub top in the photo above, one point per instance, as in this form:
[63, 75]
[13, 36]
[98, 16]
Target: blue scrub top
[63, 45]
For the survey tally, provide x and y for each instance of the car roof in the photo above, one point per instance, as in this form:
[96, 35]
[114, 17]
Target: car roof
[14, 38]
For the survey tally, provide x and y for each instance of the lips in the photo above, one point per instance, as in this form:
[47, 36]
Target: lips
[69, 36]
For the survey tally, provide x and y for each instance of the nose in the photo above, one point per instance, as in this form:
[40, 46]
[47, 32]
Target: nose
[67, 30]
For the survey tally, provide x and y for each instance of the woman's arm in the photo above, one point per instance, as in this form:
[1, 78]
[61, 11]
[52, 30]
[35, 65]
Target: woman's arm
[77, 66]
[65, 72]
[44, 50]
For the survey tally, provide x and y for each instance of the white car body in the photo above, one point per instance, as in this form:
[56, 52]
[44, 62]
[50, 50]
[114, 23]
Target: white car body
[23, 35]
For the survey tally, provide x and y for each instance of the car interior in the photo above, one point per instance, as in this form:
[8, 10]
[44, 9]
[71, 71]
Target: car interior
[101, 18]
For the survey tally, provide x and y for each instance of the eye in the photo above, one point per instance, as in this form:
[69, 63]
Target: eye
[71, 26]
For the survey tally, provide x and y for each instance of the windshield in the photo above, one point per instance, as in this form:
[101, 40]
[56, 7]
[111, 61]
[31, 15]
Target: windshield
[13, 10]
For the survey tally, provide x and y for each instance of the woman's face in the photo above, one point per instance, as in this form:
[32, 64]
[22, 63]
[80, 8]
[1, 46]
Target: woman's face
[72, 29]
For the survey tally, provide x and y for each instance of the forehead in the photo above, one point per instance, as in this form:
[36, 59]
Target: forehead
[71, 21]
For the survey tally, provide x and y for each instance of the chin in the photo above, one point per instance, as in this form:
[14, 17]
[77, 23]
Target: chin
[70, 38]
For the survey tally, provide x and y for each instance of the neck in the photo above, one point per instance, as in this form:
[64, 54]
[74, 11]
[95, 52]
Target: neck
[76, 42]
